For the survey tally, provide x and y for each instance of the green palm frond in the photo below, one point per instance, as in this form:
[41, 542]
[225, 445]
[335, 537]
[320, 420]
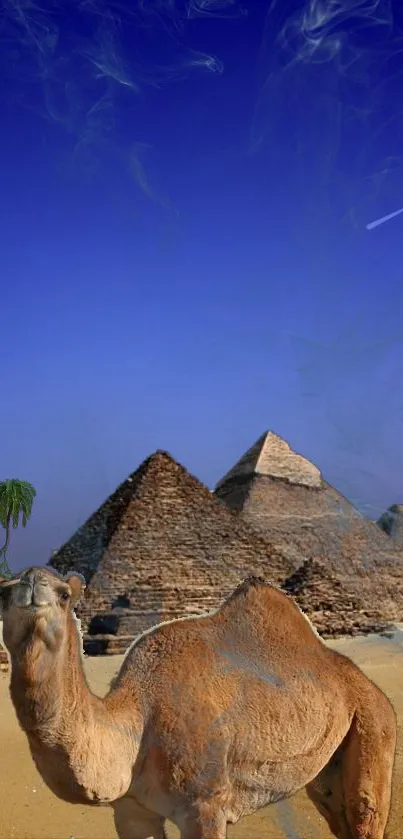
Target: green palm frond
[16, 500]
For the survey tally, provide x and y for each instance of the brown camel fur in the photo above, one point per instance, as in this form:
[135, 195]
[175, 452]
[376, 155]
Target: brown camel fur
[210, 717]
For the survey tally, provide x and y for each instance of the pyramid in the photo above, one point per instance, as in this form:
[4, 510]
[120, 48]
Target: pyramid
[391, 522]
[160, 547]
[286, 500]
[332, 603]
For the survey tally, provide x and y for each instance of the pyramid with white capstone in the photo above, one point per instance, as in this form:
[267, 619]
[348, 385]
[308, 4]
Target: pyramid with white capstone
[285, 499]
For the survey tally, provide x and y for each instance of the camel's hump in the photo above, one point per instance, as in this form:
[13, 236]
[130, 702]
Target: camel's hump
[253, 581]
[249, 585]
[254, 590]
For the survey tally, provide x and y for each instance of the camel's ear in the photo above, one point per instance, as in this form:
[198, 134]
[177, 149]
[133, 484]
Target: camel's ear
[77, 585]
[5, 582]
[5, 590]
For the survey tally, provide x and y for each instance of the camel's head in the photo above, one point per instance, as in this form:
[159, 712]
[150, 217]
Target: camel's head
[38, 603]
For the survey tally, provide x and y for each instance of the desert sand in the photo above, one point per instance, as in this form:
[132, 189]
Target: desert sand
[29, 811]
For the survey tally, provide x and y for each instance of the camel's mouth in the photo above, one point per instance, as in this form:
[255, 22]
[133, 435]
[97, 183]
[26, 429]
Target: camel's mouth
[34, 595]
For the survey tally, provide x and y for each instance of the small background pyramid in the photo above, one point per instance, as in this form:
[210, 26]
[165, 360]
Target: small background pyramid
[392, 523]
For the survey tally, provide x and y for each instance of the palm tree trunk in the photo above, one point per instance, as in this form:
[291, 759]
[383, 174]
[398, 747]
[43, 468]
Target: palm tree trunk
[4, 548]
[4, 566]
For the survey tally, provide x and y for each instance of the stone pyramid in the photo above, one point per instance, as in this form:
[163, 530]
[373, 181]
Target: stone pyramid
[334, 605]
[392, 523]
[285, 499]
[161, 546]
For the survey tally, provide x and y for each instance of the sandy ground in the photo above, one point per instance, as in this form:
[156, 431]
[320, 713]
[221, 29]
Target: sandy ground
[29, 811]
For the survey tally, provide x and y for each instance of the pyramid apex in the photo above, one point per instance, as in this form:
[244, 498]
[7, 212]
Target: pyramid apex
[160, 455]
[271, 456]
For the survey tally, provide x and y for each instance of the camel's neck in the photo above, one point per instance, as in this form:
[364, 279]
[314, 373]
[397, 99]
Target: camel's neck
[84, 746]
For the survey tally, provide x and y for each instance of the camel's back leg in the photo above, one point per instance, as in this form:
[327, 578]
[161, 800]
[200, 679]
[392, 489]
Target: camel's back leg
[367, 769]
[353, 791]
[134, 822]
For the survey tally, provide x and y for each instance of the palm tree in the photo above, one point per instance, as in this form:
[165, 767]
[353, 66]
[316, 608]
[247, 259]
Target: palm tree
[16, 500]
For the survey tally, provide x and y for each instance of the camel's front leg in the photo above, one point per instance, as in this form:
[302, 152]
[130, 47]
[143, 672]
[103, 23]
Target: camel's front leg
[134, 822]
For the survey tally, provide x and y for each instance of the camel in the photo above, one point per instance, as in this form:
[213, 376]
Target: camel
[210, 717]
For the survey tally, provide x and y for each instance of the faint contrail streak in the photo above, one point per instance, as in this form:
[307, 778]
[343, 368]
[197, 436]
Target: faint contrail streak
[384, 218]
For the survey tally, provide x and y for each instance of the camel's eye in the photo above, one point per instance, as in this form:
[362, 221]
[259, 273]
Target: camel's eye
[64, 596]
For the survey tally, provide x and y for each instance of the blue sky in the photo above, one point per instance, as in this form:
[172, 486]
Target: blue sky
[184, 254]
